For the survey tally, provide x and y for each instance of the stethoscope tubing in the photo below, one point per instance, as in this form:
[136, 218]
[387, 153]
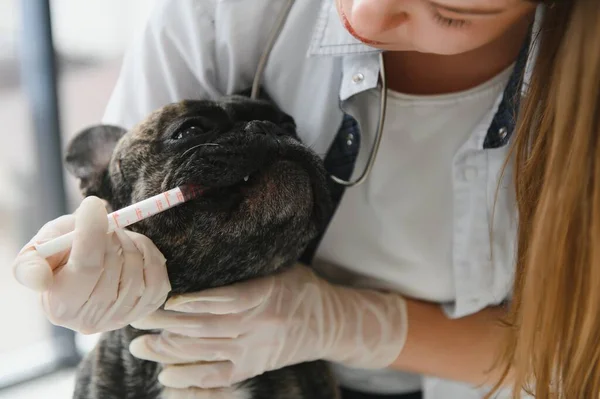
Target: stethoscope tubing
[382, 106]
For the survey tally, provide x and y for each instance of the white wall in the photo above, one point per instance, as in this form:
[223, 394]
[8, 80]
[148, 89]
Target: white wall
[8, 23]
[97, 28]
[89, 28]
[8, 16]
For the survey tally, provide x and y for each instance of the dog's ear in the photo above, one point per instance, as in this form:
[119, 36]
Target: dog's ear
[88, 156]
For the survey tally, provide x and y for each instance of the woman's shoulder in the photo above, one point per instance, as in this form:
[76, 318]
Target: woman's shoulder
[228, 37]
[219, 45]
[239, 19]
[206, 49]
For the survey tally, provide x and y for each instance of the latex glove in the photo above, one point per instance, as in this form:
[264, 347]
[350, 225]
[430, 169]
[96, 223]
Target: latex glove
[222, 336]
[104, 282]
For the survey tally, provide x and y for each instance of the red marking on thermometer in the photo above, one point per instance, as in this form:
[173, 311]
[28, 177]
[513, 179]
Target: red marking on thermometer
[132, 214]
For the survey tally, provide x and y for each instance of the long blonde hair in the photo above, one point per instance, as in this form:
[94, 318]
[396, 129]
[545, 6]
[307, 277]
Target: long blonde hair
[553, 344]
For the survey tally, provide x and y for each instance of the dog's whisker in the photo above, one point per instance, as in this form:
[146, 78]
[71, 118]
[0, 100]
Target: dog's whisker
[198, 146]
[188, 162]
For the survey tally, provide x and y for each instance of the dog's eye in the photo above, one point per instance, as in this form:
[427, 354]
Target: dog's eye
[186, 132]
[194, 127]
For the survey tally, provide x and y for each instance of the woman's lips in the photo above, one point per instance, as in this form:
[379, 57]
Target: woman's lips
[351, 30]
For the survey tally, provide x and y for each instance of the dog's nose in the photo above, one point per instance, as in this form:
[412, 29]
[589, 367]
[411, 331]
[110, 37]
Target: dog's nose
[266, 128]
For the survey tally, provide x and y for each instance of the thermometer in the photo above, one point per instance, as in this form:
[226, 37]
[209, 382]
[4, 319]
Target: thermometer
[127, 216]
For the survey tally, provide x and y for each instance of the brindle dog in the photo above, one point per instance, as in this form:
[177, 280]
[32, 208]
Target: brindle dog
[265, 198]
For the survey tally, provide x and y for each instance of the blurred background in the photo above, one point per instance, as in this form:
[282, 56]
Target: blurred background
[59, 61]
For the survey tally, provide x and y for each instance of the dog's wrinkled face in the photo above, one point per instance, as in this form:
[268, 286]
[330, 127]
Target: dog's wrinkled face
[265, 194]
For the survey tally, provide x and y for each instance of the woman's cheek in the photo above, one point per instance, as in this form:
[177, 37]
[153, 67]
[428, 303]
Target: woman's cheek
[439, 40]
[450, 41]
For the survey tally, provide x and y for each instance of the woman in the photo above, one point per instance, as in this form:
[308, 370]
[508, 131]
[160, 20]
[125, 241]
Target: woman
[416, 269]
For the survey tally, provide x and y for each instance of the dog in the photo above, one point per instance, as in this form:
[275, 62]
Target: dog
[265, 197]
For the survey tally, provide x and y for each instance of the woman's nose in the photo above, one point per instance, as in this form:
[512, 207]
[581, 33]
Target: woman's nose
[371, 17]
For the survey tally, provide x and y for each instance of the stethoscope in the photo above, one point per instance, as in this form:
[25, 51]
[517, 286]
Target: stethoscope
[383, 95]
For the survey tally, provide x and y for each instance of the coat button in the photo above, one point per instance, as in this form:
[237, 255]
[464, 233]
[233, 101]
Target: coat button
[357, 78]
[503, 132]
[349, 139]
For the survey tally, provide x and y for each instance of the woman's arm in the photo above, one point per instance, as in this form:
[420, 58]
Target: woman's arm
[455, 349]
[296, 316]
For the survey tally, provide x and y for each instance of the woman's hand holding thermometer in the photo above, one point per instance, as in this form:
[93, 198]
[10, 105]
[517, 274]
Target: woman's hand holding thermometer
[127, 216]
[93, 275]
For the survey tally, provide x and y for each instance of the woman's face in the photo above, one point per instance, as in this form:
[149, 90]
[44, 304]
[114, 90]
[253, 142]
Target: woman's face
[431, 26]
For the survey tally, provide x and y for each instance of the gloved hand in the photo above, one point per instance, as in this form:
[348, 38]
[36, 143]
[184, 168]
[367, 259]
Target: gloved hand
[104, 282]
[225, 335]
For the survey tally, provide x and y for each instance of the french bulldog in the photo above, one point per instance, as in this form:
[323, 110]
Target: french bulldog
[265, 196]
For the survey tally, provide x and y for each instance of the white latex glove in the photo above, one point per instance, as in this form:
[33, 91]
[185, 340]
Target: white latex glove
[104, 282]
[222, 336]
